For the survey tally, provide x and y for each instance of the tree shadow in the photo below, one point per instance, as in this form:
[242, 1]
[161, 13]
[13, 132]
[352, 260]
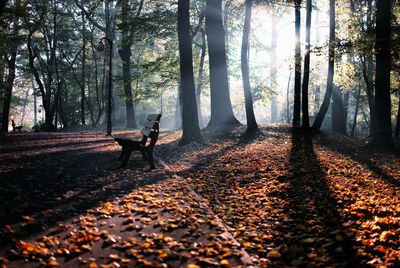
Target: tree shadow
[316, 231]
[360, 154]
[51, 187]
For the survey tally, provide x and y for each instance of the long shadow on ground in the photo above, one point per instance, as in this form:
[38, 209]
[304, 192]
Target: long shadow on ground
[39, 190]
[353, 150]
[315, 229]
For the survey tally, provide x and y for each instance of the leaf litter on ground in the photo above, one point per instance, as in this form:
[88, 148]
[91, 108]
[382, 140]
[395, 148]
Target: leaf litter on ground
[289, 199]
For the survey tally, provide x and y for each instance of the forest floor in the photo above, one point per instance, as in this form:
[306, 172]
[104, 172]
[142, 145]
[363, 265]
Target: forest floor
[274, 199]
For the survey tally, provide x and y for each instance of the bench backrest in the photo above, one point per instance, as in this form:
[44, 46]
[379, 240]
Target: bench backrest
[151, 129]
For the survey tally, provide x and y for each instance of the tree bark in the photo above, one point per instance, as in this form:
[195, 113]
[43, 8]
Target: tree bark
[383, 126]
[297, 68]
[273, 67]
[252, 126]
[356, 111]
[125, 54]
[332, 44]
[83, 77]
[8, 86]
[338, 114]
[200, 77]
[306, 74]
[190, 123]
[221, 107]
[397, 130]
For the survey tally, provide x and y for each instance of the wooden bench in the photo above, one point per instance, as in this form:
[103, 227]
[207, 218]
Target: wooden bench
[16, 127]
[150, 133]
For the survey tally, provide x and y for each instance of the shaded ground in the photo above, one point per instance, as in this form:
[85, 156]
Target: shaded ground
[288, 200]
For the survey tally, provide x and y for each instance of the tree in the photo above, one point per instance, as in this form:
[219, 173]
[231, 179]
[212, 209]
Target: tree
[221, 107]
[297, 67]
[44, 60]
[331, 64]
[338, 111]
[364, 43]
[248, 99]
[306, 75]
[383, 127]
[200, 75]
[9, 47]
[190, 122]
[83, 77]
[125, 54]
[273, 64]
[109, 30]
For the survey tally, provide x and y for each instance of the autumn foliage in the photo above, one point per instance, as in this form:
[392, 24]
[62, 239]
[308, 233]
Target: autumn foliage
[276, 199]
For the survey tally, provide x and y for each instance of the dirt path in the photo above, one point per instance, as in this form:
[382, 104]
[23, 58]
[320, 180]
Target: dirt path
[288, 199]
[73, 206]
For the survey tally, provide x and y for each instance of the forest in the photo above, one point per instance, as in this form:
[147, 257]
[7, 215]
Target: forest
[275, 127]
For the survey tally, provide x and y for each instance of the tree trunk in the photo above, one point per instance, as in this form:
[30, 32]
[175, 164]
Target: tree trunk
[8, 86]
[297, 68]
[83, 70]
[108, 58]
[273, 67]
[221, 107]
[383, 126]
[306, 75]
[178, 108]
[251, 120]
[338, 114]
[367, 72]
[397, 130]
[317, 69]
[125, 54]
[327, 98]
[346, 106]
[200, 77]
[34, 102]
[356, 111]
[287, 100]
[45, 93]
[190, 123]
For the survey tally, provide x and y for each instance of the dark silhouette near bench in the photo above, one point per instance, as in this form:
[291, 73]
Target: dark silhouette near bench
[149, 131]
[16, 127]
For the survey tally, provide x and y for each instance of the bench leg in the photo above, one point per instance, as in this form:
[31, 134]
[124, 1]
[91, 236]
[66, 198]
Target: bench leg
[121, 156]
[125, 158]
[145, 158]
[151, 160]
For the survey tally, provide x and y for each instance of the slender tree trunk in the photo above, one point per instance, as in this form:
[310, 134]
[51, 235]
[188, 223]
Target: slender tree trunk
[248, 99]
[287, 100]
[221, 107]
[34, 102]
[317, 69]
[356, 111]
[346, 106]
[338, 114]
[178, 108]
[273, 67]
[8, 91]
[367, 66]
[190, 123]
[383, 125]
[306, 75]
[200, 77]
[83, 70]
[297, 68]
[397, 130]
[327, 98]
